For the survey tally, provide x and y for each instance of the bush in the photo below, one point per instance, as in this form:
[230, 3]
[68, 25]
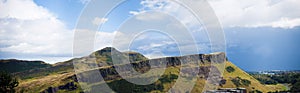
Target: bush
[296, 87]
[236, 81]
[239, 81]
[246, 82]
[271, 82]
[256, 91]
[230, 69]
[7, 83]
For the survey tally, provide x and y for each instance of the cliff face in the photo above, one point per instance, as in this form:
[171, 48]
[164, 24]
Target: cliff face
[104, 58]
[202, 65]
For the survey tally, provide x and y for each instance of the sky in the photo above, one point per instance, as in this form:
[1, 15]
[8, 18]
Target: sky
[259, 34]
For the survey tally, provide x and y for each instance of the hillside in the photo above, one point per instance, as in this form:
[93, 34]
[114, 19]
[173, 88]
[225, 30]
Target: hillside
[60, 77]
[13, 65]
[242, 77]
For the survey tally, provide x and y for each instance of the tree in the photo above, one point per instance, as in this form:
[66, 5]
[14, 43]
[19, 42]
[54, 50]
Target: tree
[296, 86]
[7, 83]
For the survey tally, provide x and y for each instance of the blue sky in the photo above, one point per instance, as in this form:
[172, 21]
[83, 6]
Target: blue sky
[65, 10]
[260, 34]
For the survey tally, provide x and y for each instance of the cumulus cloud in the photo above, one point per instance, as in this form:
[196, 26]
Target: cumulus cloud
[238, 13]
[98, 21]
[104, 39]
[23, 10]
[136, 12]
[32, 30]
[171, 8]
[181, 14]
[257, 13]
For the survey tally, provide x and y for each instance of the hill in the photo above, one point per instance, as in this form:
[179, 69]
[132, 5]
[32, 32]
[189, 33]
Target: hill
[239, 78]
[60, 77]
[13, 65]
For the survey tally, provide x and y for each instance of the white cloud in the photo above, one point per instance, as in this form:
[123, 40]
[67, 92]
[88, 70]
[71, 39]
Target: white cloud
[238, 13]
[31, 30]
[23, 10]
[187, 43]
[155, 55]
[168, 7]
[99, 21]
[104, 39]
[282, 23]
[257, 13]
[84, 1]
[154, 4]
[151, 17]
[286, 23]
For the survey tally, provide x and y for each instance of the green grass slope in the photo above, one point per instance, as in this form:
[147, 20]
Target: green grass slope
[239, 78]
[13, 65]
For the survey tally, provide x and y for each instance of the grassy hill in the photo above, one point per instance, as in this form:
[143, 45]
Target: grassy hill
[13, 65]
[61, 77]
[239, 76]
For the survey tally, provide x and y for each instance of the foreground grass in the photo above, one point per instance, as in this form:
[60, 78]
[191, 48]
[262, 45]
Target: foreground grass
[42, 83]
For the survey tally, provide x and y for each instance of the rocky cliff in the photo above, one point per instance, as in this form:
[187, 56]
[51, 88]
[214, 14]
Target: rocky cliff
[202, 65]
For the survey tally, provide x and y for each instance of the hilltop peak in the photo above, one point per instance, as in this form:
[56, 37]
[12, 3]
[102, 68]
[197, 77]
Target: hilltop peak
[109, 48]
[106, 51]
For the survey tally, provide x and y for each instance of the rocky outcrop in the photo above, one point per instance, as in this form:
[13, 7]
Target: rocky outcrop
[69, 86]
[102, 60]
[203, 61]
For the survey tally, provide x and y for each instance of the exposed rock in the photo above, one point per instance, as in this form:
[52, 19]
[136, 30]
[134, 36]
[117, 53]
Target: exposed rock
[110, 73]
[101, 63]
[69, 86]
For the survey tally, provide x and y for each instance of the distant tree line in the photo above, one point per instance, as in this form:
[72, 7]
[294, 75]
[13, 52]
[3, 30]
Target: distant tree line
[289, 78]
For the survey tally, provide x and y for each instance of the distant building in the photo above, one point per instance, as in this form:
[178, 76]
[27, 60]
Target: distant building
[228, 90]
[267, 72]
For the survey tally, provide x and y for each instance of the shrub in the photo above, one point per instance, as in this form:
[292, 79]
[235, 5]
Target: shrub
[7, 83]
[230, 69]
[296, 87]
[256, 91]
[239, 81]
[236, 81]
[246, 82]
